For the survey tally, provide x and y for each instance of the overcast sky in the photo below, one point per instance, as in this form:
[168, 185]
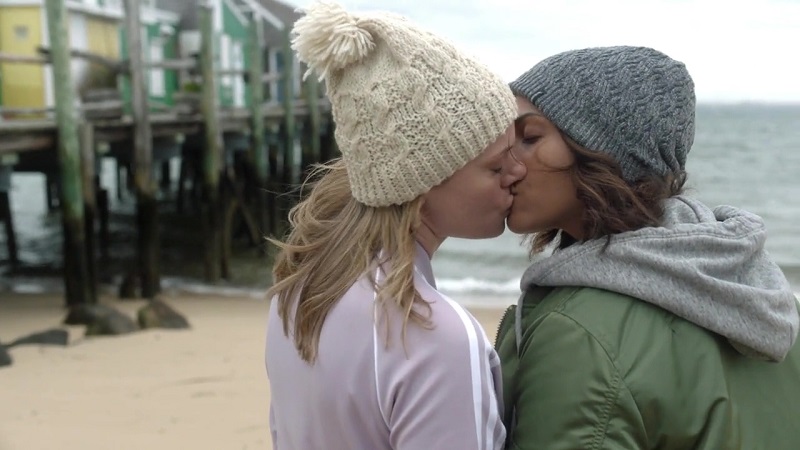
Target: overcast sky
[735, 50]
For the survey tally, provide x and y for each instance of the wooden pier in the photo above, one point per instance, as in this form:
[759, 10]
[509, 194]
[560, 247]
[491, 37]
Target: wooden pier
[240, 158]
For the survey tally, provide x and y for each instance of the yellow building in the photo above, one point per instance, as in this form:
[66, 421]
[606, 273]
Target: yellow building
[93, 26]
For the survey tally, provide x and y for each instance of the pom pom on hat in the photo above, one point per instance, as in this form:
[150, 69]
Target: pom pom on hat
[328, 38]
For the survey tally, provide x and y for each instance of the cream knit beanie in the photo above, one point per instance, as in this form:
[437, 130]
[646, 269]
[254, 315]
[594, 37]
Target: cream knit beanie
[409, 109]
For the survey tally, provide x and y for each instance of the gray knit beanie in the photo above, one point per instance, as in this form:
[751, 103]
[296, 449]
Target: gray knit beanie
[633, 103]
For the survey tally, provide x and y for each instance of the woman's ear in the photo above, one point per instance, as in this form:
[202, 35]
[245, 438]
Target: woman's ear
[423, 211]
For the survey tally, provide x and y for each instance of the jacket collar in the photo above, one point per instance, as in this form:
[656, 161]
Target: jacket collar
[422, 262]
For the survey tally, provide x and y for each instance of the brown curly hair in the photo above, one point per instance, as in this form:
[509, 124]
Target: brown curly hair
[610, 204]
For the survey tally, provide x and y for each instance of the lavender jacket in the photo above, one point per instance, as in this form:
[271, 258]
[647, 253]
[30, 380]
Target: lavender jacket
[442, 390]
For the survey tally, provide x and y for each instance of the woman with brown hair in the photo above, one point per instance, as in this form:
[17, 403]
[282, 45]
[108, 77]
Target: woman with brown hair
[656, 323]
[363, 352]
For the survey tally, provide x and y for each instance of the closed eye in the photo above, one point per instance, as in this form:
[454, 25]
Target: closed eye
[530, 140]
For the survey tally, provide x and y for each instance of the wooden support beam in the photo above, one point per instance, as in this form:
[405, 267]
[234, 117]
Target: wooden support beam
[231, 72]
[288, 137]
[19, 144]
[9, 58]
[51, 191]
[259, 157]
[275, 188]
[6, 217]
[329, 149]
[119, 66]
[76, 270]
[15, 111]
[173, 64]
[146, 207]
[121, 186]
[106, 105]
[27, 126]
[113, 64]
[229, 206]
[89, 201]
[104, 213]
[212, 150]
[311, 149]
[289, 122]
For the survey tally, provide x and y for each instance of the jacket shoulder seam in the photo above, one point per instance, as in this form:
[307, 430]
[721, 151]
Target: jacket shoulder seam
[601, 430]
[615, 385]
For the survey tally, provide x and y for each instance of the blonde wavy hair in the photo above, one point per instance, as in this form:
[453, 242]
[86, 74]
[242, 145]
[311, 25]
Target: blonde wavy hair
[333, 241]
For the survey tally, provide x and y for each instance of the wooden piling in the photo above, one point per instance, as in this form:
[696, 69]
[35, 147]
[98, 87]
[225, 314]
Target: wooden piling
[275, 179]
[180, 193]
[88, 176]
[289, 137]
[103, 209]
[212, 151]
[146, 207]
[229, 206]
[76, 271]
[259, 158]
[289, 125]
[165, 180]
[329, 149]
[7, 219]
[121, 186]
[51, 191]
[311, 149]
[6, 215]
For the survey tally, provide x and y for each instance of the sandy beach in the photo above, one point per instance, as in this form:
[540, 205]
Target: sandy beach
[204, 388]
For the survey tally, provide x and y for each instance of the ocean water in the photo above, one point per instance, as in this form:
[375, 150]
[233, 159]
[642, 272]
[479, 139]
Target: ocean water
[746, 155]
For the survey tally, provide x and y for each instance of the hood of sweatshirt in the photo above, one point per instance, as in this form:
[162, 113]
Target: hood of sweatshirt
[708, 267]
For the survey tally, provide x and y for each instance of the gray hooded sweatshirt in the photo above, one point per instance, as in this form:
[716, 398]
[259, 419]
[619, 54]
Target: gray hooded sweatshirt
[708, 267]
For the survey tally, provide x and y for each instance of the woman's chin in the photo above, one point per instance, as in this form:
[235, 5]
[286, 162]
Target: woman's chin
[515, 226]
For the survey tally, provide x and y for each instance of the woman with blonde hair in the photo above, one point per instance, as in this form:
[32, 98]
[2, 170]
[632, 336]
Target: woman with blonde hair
[362, 350]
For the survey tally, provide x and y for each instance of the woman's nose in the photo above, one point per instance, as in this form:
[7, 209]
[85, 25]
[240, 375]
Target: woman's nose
[513, 169]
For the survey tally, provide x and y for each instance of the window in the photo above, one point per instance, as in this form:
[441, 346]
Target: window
[157, 84]
[225, 57]
[238, 80]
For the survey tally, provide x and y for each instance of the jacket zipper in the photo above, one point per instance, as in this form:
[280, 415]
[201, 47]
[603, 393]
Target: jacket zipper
[501, 326]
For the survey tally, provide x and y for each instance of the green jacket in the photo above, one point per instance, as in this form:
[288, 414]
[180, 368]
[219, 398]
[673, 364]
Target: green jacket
[599, 370]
